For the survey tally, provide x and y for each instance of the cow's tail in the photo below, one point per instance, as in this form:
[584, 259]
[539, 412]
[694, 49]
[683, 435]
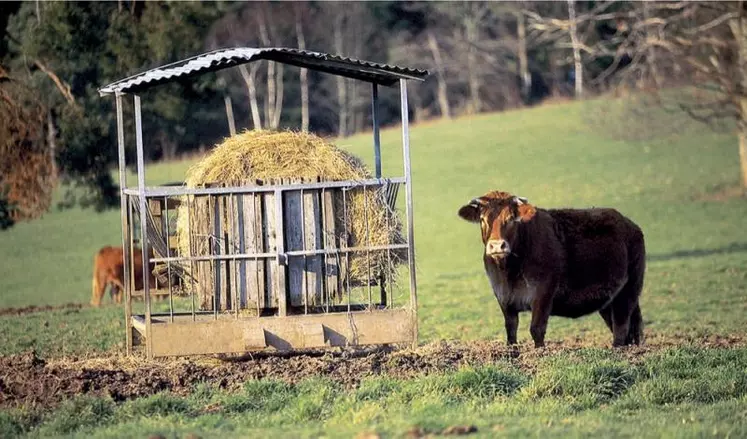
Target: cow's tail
[97, 283]
[636, 272]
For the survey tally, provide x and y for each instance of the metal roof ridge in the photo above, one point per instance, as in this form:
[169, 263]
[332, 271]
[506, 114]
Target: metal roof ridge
[219, 59]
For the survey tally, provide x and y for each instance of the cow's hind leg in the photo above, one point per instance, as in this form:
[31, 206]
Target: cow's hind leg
[635, 332]
[117, 291]
[98, 288]
[621, 311]
[627, 320]
[606, 314]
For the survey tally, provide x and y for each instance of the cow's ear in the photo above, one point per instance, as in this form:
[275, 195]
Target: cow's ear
[471, 211]
[525, 211]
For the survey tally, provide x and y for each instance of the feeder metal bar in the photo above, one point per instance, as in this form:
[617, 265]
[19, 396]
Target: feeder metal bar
[274, 255]
[408, 192]
[143, 224]
[281, 258]
[160, 191]
[377, 137]
[123, 216]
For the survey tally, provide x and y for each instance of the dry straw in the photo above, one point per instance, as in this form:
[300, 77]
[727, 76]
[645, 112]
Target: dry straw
[266, 155]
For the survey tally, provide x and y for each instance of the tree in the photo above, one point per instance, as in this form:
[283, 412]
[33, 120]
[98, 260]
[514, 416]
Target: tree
[302, 11]
[27, 172]
[701, 44]
[581, 28]
[578, 66]
[66, 51]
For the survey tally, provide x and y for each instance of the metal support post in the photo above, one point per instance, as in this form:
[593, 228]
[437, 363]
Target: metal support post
[408, 193]
[143, 226]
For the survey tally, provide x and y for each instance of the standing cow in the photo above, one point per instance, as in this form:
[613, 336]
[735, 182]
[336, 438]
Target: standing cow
[108, 269]
[563, 262]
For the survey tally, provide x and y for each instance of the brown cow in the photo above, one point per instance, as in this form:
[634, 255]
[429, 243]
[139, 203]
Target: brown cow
[563, 262]
[108, 269]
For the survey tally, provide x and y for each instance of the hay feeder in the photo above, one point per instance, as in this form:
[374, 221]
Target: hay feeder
[272, 257]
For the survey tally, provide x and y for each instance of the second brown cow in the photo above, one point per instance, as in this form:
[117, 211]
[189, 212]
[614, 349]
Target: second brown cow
[561, 262]
[108, 269]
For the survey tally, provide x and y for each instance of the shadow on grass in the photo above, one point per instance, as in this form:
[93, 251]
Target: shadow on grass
[735, 247]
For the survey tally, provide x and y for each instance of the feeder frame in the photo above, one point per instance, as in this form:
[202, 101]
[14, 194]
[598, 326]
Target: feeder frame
[214, 332]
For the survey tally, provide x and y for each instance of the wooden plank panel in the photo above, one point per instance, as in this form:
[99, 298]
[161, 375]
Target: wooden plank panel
[257, 271]
[173, 203]
[280, 333]
[269, 232]
[343, 233]
[240, 226]
[249, 272]
[329, 241]
[173, 242]
[313, 267]
[293, 234]
[230, 239]
[218, 245]
[201, 232]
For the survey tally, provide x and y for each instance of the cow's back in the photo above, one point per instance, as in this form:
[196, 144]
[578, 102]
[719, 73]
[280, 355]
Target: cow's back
[110, 260]
[594, 224]
[597, 243]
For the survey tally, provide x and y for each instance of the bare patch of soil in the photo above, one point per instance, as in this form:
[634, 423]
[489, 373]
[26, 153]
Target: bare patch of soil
[31, 381]
[722, 193]
[44, 308]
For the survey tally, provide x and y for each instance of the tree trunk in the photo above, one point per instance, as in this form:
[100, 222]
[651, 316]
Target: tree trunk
[738, 28]
[304, 76]
[270, 95]
[578, 67]
[521, 36]
[743, 154]
[278, 97]
[168, 147]
[556, 82]
[356, 118]
[249, 80]
[229, 115]
[443, 93]
[52, 142]
[651, 52]
[472, 69]
[342, 99]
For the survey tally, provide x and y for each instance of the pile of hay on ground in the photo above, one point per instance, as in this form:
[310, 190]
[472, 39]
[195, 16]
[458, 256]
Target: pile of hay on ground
[270, 155]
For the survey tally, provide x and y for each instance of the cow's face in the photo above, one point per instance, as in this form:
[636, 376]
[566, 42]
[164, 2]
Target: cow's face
[499, 215]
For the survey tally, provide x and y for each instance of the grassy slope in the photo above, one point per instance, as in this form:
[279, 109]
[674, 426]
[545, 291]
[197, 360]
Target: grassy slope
[696, 281]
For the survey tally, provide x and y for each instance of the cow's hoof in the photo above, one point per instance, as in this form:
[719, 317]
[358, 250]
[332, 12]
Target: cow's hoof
[513, 350]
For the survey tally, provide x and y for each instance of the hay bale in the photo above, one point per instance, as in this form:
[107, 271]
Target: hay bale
[273, 155]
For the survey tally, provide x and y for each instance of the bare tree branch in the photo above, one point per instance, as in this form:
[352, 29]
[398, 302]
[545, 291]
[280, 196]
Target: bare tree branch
[62, 86]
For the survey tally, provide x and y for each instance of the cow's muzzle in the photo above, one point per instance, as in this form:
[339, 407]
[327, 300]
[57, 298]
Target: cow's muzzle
[497, 248]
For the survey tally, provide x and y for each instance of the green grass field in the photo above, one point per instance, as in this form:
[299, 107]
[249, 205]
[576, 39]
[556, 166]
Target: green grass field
[575, 155]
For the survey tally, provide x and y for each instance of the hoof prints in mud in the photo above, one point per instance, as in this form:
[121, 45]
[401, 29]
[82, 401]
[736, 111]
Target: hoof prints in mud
[32, 381]
[34, 309]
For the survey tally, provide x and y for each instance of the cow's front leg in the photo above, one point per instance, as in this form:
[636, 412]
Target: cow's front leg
[511, 319]
[541, 308]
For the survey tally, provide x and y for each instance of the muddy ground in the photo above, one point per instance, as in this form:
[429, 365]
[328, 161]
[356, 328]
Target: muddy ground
[33, 309]
[31, 381]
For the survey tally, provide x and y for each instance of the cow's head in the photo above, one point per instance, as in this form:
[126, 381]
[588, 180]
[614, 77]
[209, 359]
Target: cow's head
[499, 215]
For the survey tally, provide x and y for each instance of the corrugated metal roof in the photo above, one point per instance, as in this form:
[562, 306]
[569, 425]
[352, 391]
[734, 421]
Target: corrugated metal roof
[383, 74]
